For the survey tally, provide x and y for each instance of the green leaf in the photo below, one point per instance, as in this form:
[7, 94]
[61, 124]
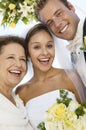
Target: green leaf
[80, 111]
[25, 20]
[64, 97]
[41, 126]
[1, 5]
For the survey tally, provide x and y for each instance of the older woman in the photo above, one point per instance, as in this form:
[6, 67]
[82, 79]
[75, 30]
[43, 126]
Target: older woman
[13, 59]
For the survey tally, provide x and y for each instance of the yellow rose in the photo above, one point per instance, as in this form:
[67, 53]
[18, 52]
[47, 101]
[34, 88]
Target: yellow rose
[12, 24]
[58, 110]
[12, 6]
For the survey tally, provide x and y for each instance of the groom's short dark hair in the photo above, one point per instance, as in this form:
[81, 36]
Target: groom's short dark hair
[40, 4]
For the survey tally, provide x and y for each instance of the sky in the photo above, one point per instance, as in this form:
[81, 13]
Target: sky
[80, 3]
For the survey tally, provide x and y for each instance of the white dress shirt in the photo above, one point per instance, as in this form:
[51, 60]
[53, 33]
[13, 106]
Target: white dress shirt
[77, 55]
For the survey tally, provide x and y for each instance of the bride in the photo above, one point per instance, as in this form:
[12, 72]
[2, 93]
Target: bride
[42, 90]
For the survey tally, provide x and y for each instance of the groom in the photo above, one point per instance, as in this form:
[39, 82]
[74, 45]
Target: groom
[60, 17]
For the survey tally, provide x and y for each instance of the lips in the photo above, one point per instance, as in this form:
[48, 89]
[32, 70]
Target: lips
[16, 72]
[44, 61]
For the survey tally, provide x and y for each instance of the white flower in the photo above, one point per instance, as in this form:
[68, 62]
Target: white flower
[24, 9]
[12, 14]
[54, 126]
[83, 119]
[73, 106]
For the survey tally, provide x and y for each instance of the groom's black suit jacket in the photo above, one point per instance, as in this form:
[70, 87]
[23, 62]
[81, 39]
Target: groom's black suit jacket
[84, 28]
[84, 34]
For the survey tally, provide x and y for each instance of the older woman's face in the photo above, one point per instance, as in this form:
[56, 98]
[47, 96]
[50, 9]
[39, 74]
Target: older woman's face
[12, 64]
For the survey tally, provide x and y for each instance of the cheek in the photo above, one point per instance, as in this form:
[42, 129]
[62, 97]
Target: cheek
[53, 52]
[53, 55]
[33, 58]
[54, 30]
[25, 66]
[8, 64]
[33, 54]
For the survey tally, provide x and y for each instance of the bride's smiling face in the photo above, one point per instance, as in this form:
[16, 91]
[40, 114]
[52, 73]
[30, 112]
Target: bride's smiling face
[41, 50]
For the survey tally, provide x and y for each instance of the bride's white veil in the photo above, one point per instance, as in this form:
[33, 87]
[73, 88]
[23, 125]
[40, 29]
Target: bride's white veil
[73, 75]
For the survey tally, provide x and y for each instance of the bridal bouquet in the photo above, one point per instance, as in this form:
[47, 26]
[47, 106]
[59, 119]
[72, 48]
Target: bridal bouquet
[65, 114]
[15, 10]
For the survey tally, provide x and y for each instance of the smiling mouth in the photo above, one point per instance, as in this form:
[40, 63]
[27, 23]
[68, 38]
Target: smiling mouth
[64, 29]
[16, 72]
[44, 61]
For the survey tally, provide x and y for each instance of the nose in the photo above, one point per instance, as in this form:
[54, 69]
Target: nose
[18, 63]
[57, 21]
[44, 51]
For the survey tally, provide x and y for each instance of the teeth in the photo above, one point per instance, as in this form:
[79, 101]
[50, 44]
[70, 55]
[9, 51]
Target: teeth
[44, 59]
[64, 29]
[15, 71]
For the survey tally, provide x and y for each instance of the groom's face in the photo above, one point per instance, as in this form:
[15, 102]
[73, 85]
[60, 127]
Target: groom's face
[61, 20]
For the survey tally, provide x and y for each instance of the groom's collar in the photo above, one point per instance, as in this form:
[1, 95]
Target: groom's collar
[78, 39]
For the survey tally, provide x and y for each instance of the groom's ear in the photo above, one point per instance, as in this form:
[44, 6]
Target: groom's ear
[71, 7]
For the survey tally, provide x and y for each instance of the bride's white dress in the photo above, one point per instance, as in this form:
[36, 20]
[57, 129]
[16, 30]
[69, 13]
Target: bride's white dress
[38, 105]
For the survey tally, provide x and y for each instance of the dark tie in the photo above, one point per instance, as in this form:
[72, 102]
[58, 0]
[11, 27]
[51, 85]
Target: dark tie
[84, 34]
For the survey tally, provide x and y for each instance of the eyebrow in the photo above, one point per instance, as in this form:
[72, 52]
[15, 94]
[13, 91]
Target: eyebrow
[33, 43]
[50, 41]
[14, 55]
